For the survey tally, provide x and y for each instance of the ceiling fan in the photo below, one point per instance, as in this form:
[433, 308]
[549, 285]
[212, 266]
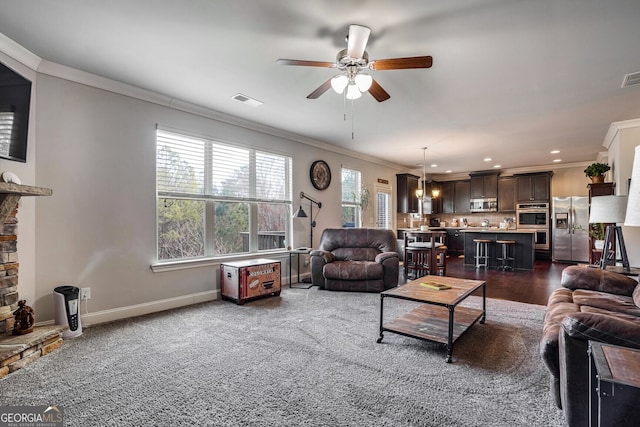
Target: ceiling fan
[354, 62]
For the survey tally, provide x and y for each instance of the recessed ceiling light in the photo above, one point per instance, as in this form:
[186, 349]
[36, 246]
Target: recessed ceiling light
[497, 166]
[449, 171]
[555, 151]
[434, 165]
[557, 160]
[487, 159]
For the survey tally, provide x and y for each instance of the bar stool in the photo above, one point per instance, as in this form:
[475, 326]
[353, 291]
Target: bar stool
[416, 261]
[507, 259]
[482, 252]
[441, 260]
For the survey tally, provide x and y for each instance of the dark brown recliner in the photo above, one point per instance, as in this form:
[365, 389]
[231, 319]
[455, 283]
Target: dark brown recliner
[355, 259]
[593, 304]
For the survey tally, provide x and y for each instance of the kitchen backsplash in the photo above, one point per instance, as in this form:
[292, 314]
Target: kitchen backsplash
[473, 219]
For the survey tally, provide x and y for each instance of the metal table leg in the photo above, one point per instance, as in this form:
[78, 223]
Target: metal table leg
[379, 340]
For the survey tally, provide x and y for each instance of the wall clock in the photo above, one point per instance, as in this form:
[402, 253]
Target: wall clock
[320, 174]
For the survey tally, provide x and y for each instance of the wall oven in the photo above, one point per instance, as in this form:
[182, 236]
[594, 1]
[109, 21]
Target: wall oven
[535, 217]
[532, 215]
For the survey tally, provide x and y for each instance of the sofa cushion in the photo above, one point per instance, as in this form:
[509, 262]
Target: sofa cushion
[578, 277]
[606, 301]
[356, 254]
[602, 328]
[353, 270]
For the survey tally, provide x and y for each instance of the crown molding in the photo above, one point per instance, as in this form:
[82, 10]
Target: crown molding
[616, 127]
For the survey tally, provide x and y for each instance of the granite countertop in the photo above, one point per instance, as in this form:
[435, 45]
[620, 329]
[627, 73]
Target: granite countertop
[496, 230]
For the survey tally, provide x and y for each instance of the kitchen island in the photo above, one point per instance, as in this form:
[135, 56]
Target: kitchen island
[524, 250]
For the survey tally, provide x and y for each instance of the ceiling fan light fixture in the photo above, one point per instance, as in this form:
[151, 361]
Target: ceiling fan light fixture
[339, 83]
[353, 92]
[363, 81]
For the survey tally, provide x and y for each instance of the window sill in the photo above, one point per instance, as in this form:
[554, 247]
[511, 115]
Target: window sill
[161, 267]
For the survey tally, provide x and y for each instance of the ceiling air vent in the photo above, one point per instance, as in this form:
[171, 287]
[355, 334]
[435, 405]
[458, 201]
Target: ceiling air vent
[246, 100]
[632, 79]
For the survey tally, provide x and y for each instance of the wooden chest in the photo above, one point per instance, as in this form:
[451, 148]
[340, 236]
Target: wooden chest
[246, 280]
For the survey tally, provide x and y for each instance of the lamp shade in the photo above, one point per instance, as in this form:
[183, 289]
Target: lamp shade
[363, 81]
[608, 209]
[633, 206]
[353, 92]
[339, 82]
[300, 213]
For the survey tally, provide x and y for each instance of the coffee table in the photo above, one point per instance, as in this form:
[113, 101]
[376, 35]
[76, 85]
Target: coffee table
[439, 319]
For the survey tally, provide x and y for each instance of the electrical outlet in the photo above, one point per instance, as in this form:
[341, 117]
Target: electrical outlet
[85, 293]
[306, 262]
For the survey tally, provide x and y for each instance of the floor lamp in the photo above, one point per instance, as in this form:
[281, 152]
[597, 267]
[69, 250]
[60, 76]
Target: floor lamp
[300, 213]
[611, 210]
[633, 205]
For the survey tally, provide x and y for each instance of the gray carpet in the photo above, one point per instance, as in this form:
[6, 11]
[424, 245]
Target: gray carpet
[308, 358]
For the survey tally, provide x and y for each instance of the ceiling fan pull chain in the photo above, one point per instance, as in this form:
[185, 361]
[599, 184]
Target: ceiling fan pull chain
[344, 105]
[352, 131]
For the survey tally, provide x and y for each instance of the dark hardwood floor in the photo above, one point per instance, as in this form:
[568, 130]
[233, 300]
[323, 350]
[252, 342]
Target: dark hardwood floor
[533, 287]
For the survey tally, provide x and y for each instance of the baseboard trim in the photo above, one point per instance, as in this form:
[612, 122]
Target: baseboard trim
[145, 308]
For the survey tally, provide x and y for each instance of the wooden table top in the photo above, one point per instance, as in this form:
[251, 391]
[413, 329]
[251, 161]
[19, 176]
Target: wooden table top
[416, 291]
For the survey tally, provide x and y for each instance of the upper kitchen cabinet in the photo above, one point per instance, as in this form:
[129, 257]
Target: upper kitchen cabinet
[454, 197]
[461, 194]
[507, 194]
[407, 185]
[533, 187]
[484, 186]
[447, 197]
[432, 203]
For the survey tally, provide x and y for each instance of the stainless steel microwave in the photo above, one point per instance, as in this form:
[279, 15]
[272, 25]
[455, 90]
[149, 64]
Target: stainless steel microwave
[484, 205]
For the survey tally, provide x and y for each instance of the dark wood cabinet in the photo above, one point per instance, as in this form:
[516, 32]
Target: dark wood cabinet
[454, 197]
[407, 185]
[462, 192]
[507, 194]
[455, 241]
[533, 187]
[447, 197]
[484, 186]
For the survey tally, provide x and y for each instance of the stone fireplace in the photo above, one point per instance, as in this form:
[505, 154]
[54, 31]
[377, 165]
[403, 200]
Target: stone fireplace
[16, 351]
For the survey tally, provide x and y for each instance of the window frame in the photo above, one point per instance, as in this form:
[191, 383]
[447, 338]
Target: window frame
[355, 203]
[254, 203]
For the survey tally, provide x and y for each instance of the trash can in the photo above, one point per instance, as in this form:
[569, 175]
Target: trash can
[67, 309]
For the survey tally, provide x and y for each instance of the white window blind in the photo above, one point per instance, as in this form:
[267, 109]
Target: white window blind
[242, 197]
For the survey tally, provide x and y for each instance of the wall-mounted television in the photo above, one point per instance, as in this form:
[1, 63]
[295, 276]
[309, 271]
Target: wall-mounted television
[15, 99]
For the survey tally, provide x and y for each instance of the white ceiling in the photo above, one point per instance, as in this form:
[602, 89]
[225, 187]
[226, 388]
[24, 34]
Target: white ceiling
[511, 79]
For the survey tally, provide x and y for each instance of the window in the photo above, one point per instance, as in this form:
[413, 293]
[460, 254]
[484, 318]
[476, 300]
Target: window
[217, 199]
[351, 184]
[383, 207]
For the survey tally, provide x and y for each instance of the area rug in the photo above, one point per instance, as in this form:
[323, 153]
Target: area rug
[306, 358]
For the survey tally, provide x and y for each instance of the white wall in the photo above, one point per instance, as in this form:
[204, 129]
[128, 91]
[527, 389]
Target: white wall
[96, 149]
[621, 142]
[27, 205]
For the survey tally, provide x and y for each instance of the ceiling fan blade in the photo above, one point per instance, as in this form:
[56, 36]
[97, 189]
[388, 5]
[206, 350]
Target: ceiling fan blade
[377, 92]
[357, 41]
[322, 89]
[402, 63]
[305, 63]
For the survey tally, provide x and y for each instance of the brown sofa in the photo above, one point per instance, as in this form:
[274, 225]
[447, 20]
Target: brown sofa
[595, 305]
[355, 259]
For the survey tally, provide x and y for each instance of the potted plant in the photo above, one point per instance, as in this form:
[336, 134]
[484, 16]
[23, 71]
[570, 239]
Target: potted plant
[596, 231]
[596, 172]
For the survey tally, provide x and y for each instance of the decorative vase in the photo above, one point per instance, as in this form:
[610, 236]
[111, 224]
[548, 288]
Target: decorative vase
[598, 179]
[598, 244]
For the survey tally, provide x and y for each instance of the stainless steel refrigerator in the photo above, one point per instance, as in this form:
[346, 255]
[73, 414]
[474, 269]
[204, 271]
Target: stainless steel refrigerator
[570, 229]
